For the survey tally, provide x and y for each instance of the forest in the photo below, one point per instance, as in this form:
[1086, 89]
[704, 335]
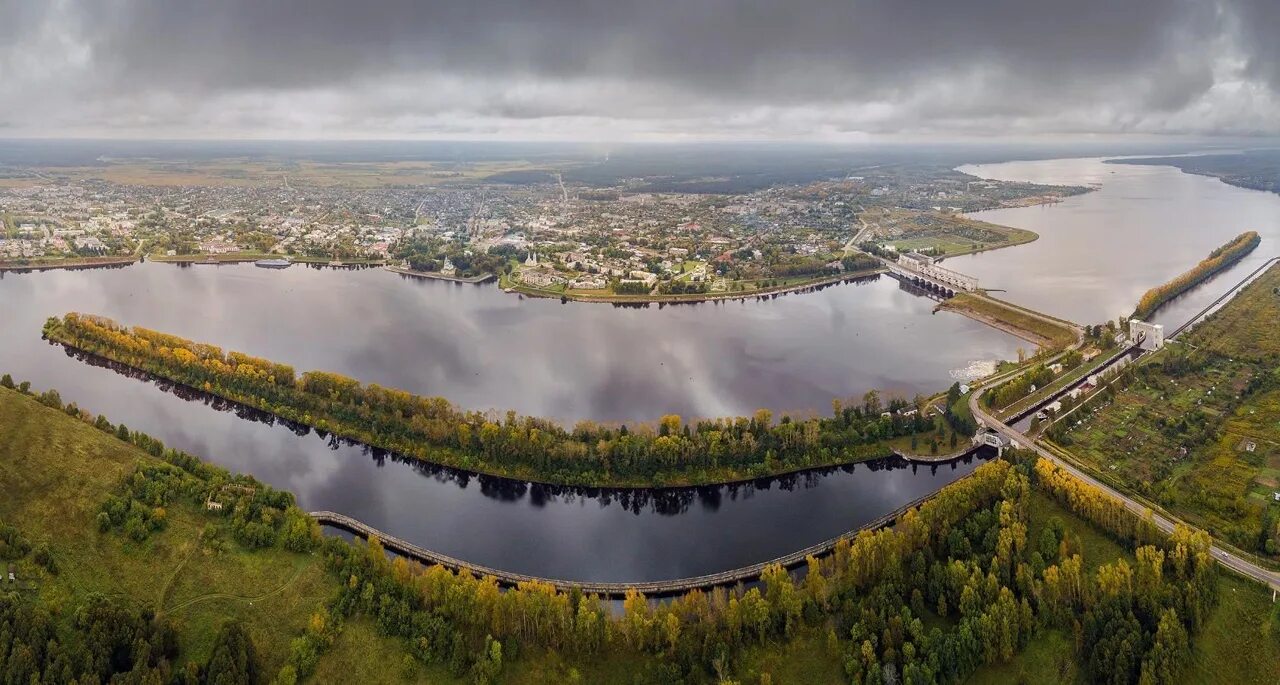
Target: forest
[962, 564]
[523, 447]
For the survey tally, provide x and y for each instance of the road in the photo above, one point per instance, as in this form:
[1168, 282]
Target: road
[1242, 566]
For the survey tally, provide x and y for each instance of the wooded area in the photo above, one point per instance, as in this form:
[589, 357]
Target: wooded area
[523, 447]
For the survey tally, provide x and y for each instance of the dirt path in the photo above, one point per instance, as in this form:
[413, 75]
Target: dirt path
[227, 595]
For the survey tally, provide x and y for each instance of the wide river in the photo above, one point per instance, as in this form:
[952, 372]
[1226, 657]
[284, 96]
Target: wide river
[483, 349]
[1099, 252]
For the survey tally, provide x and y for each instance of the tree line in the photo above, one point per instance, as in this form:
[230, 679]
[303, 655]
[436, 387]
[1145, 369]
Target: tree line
[964, 563]
[432, 429]
[105, 641]
[1221, 258]
[259, 516]
[965, 556]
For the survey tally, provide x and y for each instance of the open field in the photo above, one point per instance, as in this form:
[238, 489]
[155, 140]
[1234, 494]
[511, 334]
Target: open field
[1197, 428]
[944, 234]
[1248, 326]
[55, 472]
[254, 172]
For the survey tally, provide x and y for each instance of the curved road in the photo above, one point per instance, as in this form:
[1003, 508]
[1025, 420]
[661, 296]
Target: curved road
[1232, 561]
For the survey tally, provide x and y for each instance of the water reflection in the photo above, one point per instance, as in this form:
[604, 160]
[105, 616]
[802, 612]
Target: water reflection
[667, 501]
[481, 347]
[1098, 252]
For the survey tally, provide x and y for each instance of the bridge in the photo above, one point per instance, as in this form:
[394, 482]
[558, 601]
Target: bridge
[1010, 429]
[657, 588]
[923, 271]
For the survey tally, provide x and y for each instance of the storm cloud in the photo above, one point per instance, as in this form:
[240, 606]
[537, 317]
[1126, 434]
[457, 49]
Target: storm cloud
[629, 69]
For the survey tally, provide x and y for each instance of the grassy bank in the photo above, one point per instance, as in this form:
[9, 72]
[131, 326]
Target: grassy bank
[55, 473]
[1046, 332]
[48, 263]
[1196, 427]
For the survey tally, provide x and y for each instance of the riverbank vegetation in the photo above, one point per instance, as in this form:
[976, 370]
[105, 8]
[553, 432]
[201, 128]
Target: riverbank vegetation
[1048, 333]
[169, 606]
[807, 276]
[1196, 427]
[48, 263]
[1254, 169]
[994, 563]
[673, 452]
[1221, 258]
[933, 232]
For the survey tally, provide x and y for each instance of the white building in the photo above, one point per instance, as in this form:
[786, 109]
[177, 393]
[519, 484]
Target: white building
[588, 282]
[1152, 334]
[645, 277]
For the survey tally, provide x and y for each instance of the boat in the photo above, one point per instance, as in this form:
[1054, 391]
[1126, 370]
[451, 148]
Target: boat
[273, 263]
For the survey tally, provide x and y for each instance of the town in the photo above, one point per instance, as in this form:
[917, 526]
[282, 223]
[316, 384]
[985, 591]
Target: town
[541, 235]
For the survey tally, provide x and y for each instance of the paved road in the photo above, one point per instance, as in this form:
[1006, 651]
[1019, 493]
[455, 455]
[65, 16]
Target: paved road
[1228, 559]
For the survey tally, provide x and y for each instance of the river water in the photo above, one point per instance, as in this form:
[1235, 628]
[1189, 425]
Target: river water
[483, 349]
[1099, 252]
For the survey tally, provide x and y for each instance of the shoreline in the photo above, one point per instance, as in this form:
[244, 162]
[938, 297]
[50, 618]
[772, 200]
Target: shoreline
[961, 453]
[1022, 332]
[241, 258]
[483, 278]
[699, 297]
[888, 452]
[992, 322]
[71, 264]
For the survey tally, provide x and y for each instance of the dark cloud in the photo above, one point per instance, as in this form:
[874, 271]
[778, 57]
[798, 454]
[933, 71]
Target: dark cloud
[814, 48]
[873, 65]
[1259, 26]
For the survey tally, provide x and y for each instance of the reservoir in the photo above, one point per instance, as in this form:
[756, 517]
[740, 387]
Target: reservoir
[482, 349]
[1099, 252]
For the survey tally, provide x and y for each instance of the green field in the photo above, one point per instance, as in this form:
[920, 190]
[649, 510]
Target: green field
[1046, 332]
[944, 234]
[1197, 427]
[56, 471]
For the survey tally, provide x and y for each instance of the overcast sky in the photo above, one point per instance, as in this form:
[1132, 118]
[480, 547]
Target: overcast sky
[638, 69]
